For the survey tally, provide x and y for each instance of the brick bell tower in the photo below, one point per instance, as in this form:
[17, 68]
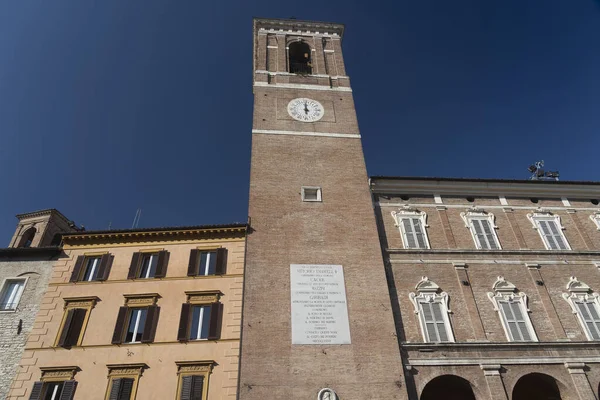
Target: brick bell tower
[316, 310]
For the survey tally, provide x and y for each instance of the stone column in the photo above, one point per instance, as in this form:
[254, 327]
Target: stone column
[580, 381]
[494, 381]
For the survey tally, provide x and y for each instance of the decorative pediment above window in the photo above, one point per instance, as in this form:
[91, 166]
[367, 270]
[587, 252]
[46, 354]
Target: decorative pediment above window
[505, 290]
[409, 211]
[503, 286]
[431, 305]
[58, 373]
[426, 285]
[575, 286]
[412, 224]
[550, 229]
[429, 291]
[542, 213]
[482, 225]
[511, 305]
[477, 212]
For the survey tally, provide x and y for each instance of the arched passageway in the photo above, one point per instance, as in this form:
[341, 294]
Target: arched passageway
[448, 387]
[536, 387]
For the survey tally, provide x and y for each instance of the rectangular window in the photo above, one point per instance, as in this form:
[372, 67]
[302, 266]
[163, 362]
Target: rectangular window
[53, 390]
[135, 327]
[192, 387]
[434, 322]
[413, 233]
[311, 193]
[121, 389]
[90, 272]
[483, 232]
[92, 268]
[199, 322]
[147, 265]
[207, 262]
[552, 234]
[72, 327]
[11, 294]
[515, 320]
[590, 317]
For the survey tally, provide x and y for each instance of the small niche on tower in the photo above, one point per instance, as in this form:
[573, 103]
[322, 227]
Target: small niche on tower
[300, 62]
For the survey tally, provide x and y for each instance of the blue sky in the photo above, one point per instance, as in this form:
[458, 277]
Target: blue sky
[110, 106]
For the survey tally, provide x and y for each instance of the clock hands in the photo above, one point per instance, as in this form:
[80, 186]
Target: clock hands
[306, 108]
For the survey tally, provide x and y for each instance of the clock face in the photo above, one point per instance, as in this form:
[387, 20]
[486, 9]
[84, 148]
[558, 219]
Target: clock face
[305, 110]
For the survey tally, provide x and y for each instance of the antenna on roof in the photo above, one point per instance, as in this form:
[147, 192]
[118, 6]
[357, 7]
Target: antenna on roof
[136, 219]
[538, 173]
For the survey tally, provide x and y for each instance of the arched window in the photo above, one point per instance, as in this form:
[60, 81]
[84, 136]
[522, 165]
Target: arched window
[536, 387]
[27, 237]
[586, 305]
[300, 62]
[448, 387]
[431, 305]
[511, 305]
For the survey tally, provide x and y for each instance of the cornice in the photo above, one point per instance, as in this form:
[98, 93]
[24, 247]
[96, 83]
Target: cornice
[481, 187]
[294, 25]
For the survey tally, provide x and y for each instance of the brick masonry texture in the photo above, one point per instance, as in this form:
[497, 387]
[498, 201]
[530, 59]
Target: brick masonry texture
[12, 343]
[539, 273]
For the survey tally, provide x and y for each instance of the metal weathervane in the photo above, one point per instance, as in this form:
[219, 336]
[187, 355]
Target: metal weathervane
[539, 174]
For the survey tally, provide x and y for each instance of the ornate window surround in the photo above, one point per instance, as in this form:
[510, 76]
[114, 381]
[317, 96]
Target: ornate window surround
[58, 374]
[87, 303]
[117, 371]
[579, 291]
[478, 213]
[542, 214]
[187, 368]
[411, 212]
[504, 290]
[430, 292]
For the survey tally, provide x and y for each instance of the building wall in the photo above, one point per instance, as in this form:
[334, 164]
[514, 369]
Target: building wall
[12, 342]
[468, 274]
[96, 350]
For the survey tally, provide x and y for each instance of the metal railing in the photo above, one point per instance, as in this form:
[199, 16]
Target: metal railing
[300, 68]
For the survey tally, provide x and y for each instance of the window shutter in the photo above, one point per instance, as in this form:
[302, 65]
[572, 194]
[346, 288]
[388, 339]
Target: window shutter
[66, 327]
[184, 321]
[161, 265]
[419, 234]
[187, 383]
[215, 319]
[75, 328]
[429, 322]
[520, 320]
[221, 264]
[118, 334]
[546, 228]
[151, 323]
[193, 264]
[36, 391]
[126, 389]
[68, 390]
[197, 386]
[409, 233]
[77, 269]
[135, 263]
[439, 321]
[104, 269]
[590, 318]
[479, 236]
[489, 235]
[115, 389]
[558, 238]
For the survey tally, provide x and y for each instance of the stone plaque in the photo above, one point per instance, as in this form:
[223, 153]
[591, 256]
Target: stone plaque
[319, 310]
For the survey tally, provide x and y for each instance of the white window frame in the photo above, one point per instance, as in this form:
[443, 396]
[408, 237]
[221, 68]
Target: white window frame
[200, 321]
[18, 296]
[137, 322]
[580, 292]
[478, 214]
[543, 215]
[317, 188]
[429, 291]
[408, 213]
[503, 290]
[596, 219]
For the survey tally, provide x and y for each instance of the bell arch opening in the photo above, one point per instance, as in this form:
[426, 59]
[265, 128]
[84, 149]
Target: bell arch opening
[536, 386]
[300, 58]
[448, 387]
[27, 237]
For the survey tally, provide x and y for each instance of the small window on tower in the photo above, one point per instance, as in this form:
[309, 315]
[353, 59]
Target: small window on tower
[311, 193]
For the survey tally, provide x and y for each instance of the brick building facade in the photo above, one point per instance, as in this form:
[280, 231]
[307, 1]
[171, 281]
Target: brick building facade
[141, 313]
[494, 286]
[25, 268]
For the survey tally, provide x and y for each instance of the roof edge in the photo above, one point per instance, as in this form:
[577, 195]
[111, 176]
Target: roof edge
[297, 24]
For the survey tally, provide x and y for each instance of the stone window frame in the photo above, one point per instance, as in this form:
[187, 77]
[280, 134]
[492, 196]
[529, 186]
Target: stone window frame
[86, 256]
[88, 303]
[544, 215]
[429, 291]
[408, 213]
[479, 214]
[504, 290]
[190, 368]
[319, 193]
[20, 296]
[580, 291]
[118, 371]
[51, 375]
